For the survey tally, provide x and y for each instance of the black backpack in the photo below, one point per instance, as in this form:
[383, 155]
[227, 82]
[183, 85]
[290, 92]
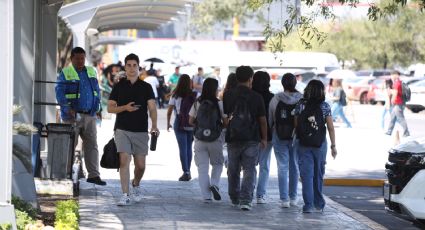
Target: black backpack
[284, 120]
[343, 98]
[242, 124]
[183, 115]
[208, 121]
[311, 129]
[405, 92]
[110, 158]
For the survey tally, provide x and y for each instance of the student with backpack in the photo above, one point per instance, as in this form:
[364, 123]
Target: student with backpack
[400, 94]
[281, 119]
[181, 101]
[207, 116]
[312, 117]
[339, 100]
[261, 85]
[246, 132]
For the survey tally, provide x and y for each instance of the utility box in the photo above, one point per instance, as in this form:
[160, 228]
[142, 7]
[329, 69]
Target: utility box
[60, 155]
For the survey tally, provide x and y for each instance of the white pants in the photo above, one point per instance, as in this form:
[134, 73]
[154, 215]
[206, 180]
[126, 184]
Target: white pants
[207, 153]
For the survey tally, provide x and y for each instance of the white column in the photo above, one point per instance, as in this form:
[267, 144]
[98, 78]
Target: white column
[6, 102]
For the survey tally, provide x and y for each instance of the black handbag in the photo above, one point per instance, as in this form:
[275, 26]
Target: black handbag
[110, 158]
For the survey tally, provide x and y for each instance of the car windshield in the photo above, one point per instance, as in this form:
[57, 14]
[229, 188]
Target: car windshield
[419, 84]
[363, 73]
[352, 80]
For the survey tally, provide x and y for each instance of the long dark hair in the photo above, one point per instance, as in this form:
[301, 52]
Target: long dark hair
[231, 82]
[314, 92]
[184, 86]
[261, 82]
[209, 90]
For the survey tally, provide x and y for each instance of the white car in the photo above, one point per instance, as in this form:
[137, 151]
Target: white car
[417, 99]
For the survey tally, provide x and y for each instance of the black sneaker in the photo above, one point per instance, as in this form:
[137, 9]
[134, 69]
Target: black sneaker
[246, 206]
[96, 180]
[215, 191]
[185, 177]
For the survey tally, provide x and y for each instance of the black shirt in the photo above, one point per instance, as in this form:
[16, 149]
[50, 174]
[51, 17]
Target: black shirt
[267, 97]
[257, 107]
[140, 93]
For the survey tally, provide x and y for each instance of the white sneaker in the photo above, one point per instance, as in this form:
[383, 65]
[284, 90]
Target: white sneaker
[137, 194]
[293, 202]
[261, 200]
[124, 200]
[285, 204]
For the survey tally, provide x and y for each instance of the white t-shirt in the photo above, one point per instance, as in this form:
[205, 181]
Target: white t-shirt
[153, 81]
[193, 111]
[176, 102]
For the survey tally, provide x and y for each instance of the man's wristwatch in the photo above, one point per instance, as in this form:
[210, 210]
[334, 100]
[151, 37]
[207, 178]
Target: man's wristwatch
[333, 146]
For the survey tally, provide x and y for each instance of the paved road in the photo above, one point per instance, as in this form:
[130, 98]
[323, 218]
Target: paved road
[368, 201]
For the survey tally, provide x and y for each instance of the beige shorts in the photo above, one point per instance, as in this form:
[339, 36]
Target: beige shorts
[132, 142]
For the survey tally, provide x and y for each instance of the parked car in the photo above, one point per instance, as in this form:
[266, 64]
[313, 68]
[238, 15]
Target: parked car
[357, 88]
[417, 99]
[377, 92]
[404, 191]
[373, 73]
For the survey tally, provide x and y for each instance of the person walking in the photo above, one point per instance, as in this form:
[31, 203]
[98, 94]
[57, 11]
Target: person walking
[198, 80]
[208, 118]
[181, 101]
[78, 94]
[246, 132]
[397, 113]
[174, 78]
[281, 119]
[388, 86]
[312, 117]
[339, 100]
[261, 85]
[131, 99]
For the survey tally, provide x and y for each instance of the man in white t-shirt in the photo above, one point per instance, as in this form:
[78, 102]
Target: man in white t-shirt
[153, 81]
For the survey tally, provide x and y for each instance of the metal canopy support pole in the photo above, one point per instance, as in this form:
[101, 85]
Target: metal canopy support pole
[7, 213]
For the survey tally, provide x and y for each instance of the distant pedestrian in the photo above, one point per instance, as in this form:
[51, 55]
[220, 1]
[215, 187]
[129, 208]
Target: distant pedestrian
[397, 113]
[131, 99]
[198, 80]
[181, 101]
[387, 87]
[339, 100]
[281, 119]
[174, 78]
[246, 132]
[231, 83]
[153, 81]
[162, 89]
[261, 85]
[208, 118]
[312, 116]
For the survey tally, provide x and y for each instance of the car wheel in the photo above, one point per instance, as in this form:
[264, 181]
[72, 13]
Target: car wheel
[373, 102]
[415, 110]
[363, 98]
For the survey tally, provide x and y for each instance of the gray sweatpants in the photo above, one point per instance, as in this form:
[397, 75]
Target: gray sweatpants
[207, 153]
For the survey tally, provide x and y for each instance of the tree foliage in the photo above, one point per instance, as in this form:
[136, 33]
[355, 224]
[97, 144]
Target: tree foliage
[389, 42]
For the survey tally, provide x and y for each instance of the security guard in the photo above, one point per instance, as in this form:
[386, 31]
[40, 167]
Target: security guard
[77, 92]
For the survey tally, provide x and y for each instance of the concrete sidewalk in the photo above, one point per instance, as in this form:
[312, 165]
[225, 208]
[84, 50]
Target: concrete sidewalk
[170, 204]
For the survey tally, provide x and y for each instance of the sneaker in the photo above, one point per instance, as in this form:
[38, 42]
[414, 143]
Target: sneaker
[96, 180]
[235, 203]
[285, 204]
[215, 191]
[308, 210]
[246, 206]
[207, 201]
[318, 210]
[124, 201]
[261, 200]
[137, 193]
[185, 177]
[293, 202]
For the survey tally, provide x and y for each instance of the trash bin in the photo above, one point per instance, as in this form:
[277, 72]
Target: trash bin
[60, 154]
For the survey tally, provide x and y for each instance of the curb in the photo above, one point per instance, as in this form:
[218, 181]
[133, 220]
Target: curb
[355, 215]
[354, 182]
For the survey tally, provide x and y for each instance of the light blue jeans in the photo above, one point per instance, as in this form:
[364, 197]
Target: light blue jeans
[287, 161]
[384, 112]
[338, 111]
[263, 176]
[312, 169]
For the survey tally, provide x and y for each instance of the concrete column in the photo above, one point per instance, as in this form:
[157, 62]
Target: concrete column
[7, 214]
